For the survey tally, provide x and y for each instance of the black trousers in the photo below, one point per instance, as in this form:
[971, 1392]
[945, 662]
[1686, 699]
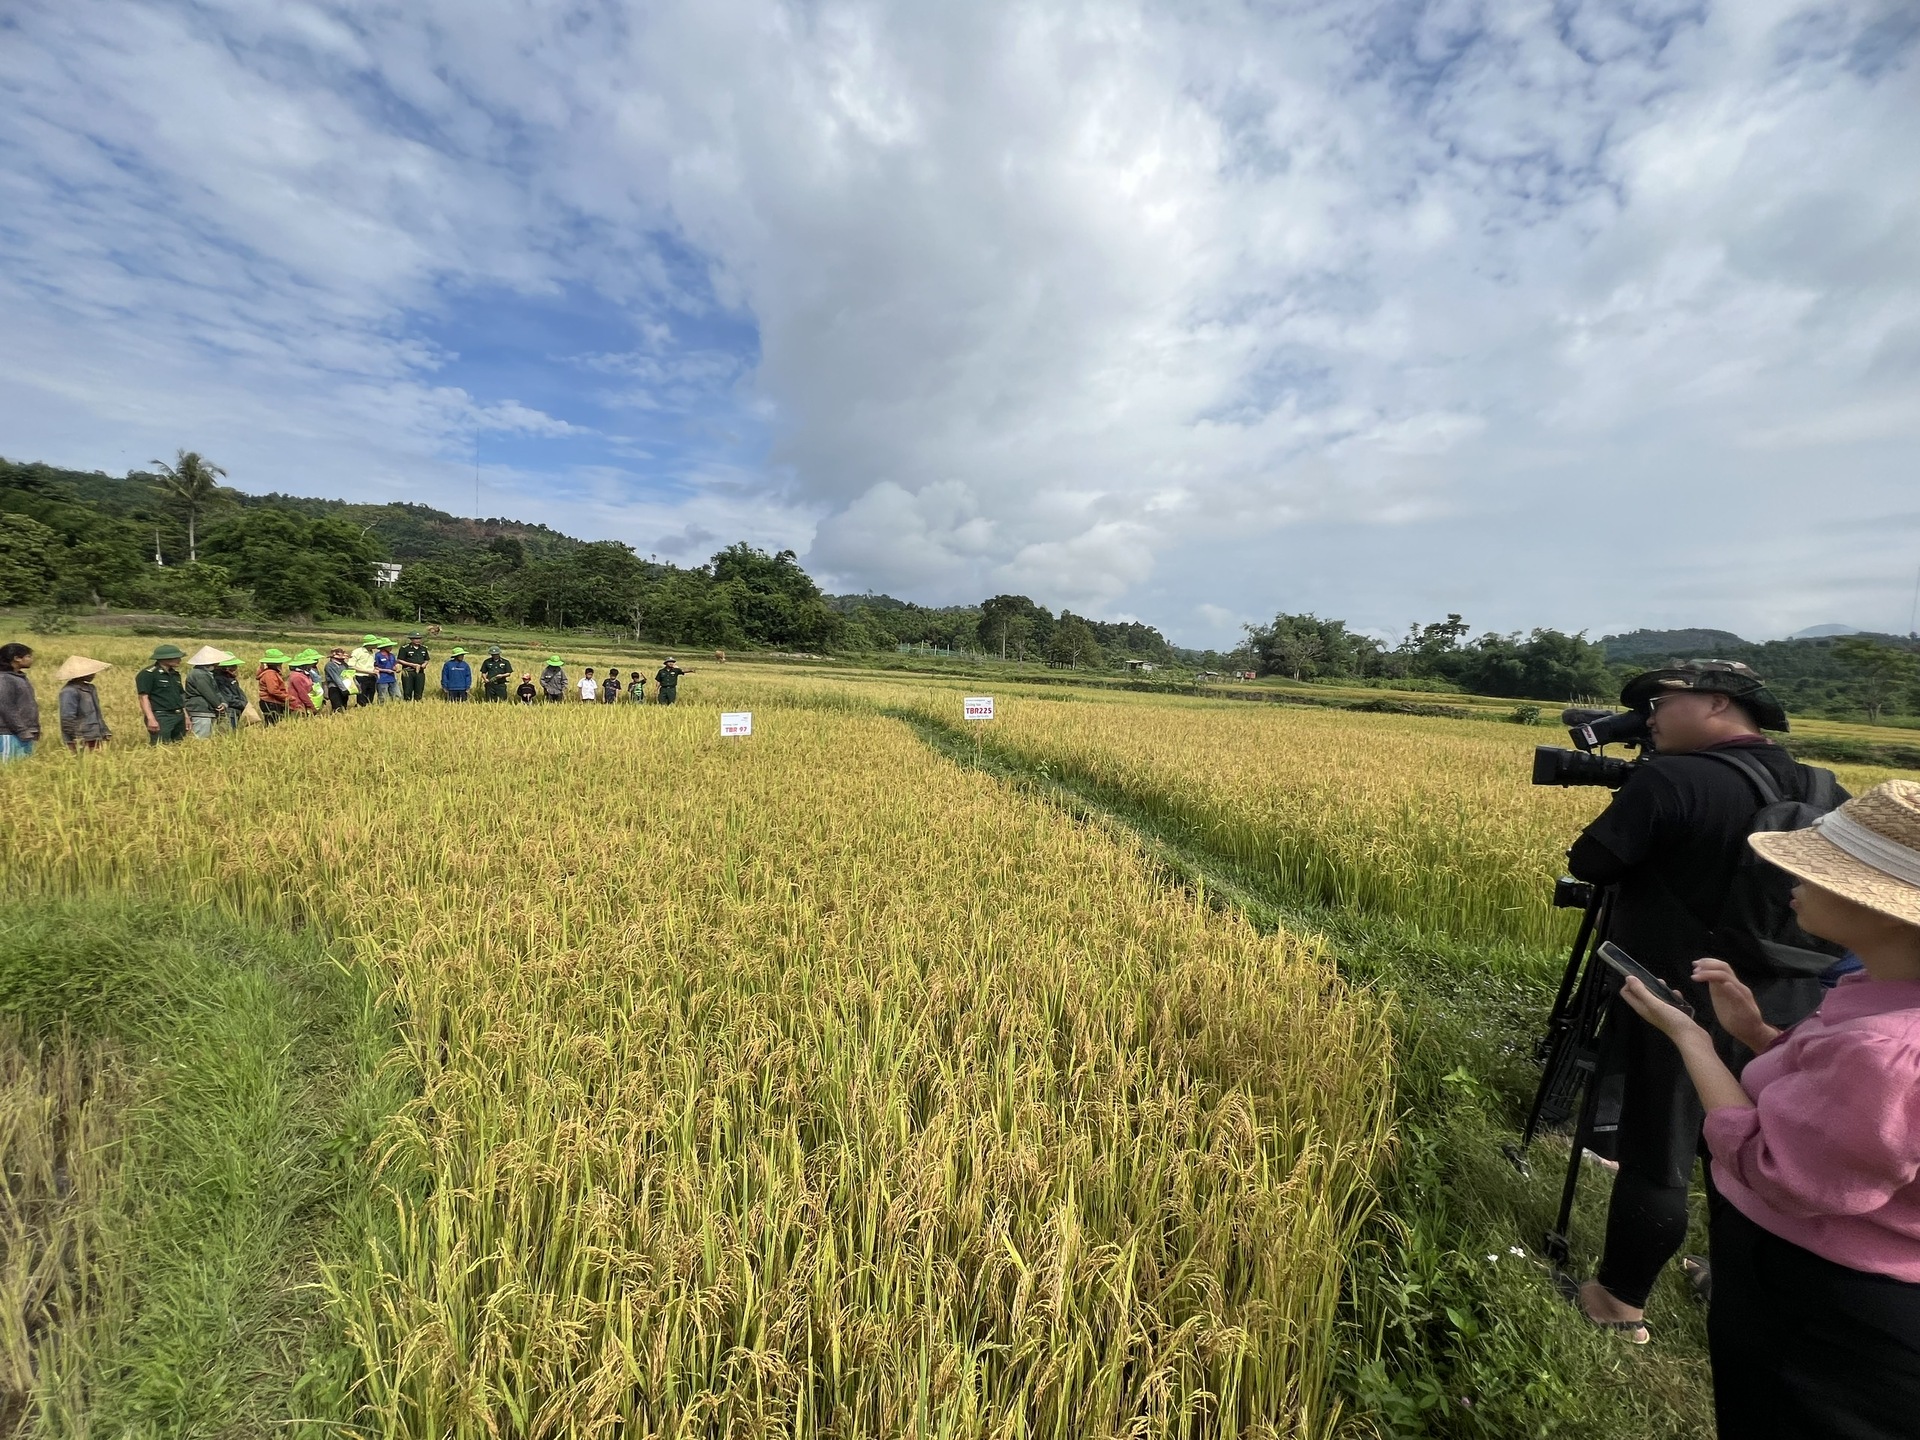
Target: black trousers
[1804, 1349]
[413, 684]
[363, 689]
[1656, 1144]
[336, 698]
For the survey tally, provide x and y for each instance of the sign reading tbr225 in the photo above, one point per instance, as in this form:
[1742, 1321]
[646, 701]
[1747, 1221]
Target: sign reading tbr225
[978, 707]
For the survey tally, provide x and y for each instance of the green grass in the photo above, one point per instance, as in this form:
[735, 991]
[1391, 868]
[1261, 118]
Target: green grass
[1450, 1332]
[250, 1095]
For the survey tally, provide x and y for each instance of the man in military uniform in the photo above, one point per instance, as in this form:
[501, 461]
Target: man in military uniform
[413, 658]
[163, 696]
[667, 682]
[495, 671]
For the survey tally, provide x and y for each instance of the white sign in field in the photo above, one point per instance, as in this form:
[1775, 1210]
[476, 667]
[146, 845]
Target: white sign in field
[979, 707]
[736, 722]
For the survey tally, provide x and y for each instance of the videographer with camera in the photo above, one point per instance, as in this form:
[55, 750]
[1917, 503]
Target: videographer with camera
[1671, 847]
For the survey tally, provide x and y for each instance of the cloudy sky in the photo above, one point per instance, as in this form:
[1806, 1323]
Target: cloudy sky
[1592, 313]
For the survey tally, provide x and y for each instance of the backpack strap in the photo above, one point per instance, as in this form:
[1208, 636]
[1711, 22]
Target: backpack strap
[1756, 773]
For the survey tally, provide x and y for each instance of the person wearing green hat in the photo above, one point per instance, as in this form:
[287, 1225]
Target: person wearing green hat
[413, 658]
[456, 676]
[386, 672]
[553, 680]
[365, 672]
[301, 684]
[163, 696]
[273, 684]
[666, 682]
[226, 675]
[495, 671]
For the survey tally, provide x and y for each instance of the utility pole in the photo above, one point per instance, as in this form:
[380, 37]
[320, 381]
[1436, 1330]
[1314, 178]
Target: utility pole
[1913, 615]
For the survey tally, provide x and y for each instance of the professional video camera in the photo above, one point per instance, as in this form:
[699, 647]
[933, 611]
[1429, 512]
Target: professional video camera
[1591, 730]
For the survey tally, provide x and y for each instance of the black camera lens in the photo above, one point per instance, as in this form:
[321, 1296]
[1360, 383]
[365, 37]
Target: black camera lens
[1555, 766]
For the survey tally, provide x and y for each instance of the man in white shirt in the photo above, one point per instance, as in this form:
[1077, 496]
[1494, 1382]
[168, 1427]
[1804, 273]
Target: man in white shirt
[588, 689]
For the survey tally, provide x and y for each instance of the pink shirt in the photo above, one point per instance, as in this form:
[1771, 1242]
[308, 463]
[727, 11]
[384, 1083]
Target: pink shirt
[1829, 1158]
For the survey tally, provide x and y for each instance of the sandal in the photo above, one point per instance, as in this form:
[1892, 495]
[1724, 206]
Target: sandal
[1569, 1289]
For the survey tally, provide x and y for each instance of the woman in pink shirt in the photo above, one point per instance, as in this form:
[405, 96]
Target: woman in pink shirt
[1815, 1321]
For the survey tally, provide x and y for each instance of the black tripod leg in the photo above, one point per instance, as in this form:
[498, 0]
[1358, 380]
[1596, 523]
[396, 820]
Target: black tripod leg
[1558, 1244]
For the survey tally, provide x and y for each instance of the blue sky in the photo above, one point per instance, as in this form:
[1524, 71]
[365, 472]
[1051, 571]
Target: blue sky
[1592, 313]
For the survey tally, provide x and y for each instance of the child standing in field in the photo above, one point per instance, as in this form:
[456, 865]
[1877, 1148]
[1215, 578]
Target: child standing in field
[588, 689]
[81, 724]
[610, 688]
[527, 691]
[19, 710]
[386, 672]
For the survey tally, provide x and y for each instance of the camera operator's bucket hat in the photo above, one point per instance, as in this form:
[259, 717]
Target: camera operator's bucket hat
[1716, 677]
[1867, 851]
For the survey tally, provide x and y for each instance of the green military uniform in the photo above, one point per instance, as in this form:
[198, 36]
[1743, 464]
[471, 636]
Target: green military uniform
[495, 671]
[166, 692]
[413, 659]
[666, 683]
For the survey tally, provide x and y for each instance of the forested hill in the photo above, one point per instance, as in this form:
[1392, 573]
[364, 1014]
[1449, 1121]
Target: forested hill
[1826, 674]
[78, 538]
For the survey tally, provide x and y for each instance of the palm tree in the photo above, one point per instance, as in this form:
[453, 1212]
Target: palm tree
[190, 481]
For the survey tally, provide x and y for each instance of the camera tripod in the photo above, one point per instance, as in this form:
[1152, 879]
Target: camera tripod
[1569, 1052]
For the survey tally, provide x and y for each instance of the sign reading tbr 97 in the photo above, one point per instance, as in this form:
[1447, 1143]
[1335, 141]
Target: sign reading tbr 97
[978, 707]
[736, 722]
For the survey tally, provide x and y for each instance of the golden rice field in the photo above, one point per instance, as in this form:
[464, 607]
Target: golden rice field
[1434, 822]
[799, 1085]
[809, 1084]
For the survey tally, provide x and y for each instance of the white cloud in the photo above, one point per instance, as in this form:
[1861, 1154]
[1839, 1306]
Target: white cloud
[1191, 311]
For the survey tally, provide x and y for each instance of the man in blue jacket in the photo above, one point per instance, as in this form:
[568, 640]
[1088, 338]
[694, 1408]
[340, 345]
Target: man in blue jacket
[456, 676]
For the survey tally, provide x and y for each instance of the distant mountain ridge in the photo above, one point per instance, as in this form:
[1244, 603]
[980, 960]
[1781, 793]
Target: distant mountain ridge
[1669, 644]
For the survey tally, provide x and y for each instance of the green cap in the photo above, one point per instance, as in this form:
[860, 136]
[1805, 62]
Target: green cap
[307, 657]
[458, 651]
[168, 652]
[413, 634]
[273, 656]
[551, 659]
[493, 650]
[369, 639]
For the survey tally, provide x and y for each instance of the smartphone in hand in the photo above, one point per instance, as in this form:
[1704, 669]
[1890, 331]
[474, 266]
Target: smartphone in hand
[1626, 967]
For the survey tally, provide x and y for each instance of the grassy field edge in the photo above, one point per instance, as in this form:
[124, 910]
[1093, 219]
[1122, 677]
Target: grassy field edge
[254, 1063]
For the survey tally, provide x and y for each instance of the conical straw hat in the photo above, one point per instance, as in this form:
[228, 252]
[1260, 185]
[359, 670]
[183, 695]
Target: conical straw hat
[207, 655]
[76, 667]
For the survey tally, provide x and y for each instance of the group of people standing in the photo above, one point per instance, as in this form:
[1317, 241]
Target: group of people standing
[207, 695]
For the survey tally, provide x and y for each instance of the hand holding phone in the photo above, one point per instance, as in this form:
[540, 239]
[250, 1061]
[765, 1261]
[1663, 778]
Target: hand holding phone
[1628, 968]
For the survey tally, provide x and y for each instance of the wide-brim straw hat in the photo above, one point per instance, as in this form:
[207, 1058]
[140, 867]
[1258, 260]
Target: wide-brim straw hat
[1867, 851]
[79, 667]
[207, 655]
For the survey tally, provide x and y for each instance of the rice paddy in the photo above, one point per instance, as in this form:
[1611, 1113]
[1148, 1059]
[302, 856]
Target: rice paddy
[810, 1084]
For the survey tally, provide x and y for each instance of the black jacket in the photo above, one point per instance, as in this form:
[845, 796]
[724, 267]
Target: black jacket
[1669, 845]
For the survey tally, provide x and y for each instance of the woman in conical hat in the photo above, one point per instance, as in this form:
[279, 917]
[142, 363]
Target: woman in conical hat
[81, 724]
[1814, 1327]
